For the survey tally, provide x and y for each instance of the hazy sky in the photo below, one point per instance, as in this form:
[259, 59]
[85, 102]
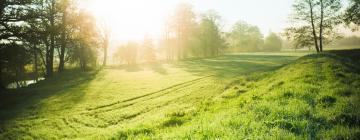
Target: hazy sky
[132, 19]
[268, 15]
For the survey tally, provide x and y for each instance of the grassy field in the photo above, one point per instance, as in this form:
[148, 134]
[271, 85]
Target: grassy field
[256, 96]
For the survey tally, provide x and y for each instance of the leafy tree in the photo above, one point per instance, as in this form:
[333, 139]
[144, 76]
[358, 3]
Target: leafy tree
[37, 29]
[13, 14]
[320, 15]
[86, 40]
[66, 8]
[272, 43]
[15, 58]
[245, 37]
[352, 14]
[182, 27]
[300, 37]
[209, 35]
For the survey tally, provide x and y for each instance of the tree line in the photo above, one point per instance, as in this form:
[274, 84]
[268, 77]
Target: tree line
[47, 34]
[40, 37]
[187, 34]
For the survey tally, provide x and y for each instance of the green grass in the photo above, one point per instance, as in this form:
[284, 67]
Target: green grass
[236, 96]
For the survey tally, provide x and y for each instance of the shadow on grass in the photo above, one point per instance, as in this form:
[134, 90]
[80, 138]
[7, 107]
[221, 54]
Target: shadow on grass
[233, 65]
[23, 102]
[127, 68]
[156, 67]
[222, 66]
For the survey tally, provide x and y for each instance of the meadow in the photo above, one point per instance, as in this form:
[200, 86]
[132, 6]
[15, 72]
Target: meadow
[237, 96]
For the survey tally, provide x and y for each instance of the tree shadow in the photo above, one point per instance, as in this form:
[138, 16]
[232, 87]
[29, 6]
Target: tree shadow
[234, 65]
[158, 68]
[127, 68]
[29, 101]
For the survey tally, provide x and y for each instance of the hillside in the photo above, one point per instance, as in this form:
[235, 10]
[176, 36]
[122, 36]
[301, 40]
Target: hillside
[316, 97]
[230, 97]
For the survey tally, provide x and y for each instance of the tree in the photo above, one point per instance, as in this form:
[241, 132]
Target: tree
[65, 9]
[148, 50]
[272, 43]
[15, 57]
[32, 31]
[300, 37]
[245, 37]
[182, 26]
[127, 53]
[13, 14]
[352, 14]
[320, 15]
[86, 40]
[47, 24]
[105, 40]
[209, 35]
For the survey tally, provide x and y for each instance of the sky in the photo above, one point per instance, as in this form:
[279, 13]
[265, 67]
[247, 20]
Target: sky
[133, 19]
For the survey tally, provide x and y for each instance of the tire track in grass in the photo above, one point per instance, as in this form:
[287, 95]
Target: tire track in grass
[68, 123]
[184, 84]
[108, 123]
[140, 100]
[178, 86]
[172, 90]
[129, 116]
[147, 109]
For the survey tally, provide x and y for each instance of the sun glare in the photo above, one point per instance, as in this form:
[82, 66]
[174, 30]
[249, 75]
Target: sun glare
[129, 20]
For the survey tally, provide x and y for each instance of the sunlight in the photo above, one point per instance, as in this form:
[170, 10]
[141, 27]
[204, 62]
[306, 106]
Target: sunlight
[129, 20]
[179, 69]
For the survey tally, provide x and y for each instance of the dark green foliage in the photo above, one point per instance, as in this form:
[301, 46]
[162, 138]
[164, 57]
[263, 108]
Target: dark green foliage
[173, 121]
[288, 94]
[348, 119]
[140, 130]
[327, 101]
[353, 12]
[300, 37]
[13, 60]
[345, 91]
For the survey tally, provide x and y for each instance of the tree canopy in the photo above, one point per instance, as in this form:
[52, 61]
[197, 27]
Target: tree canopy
[245, 37]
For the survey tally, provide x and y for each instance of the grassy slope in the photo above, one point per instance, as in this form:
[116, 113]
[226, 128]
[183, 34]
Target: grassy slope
[100, 104]
[318, 96]
[231, 97]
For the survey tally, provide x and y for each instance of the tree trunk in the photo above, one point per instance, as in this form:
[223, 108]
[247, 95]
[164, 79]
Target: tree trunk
[50, 52]
[321, 24]
[82, 58]
[36, 71]
[313, 26]
[2, 87]
[63, 44]
[105, 52]
[50, 57]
